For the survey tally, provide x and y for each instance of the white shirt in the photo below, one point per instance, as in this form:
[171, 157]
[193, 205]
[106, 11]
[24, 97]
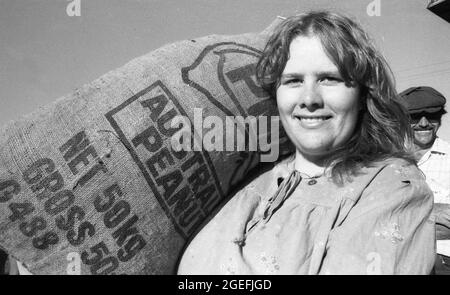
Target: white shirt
[435, 164]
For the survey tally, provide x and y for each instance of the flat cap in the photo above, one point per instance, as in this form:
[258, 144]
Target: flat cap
[423, 99]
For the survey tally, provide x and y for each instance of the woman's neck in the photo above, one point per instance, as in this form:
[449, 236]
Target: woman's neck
[308, 166]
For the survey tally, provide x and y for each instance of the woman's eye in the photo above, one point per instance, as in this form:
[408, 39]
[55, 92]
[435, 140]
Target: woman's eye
[291, 81]
[331, 80]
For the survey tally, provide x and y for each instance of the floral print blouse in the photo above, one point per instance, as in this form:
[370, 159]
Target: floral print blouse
[377, 223]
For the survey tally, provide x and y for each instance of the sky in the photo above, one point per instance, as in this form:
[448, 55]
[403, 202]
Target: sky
[45, 53]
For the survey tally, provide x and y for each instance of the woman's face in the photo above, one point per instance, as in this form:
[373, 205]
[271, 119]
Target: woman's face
[318, 110]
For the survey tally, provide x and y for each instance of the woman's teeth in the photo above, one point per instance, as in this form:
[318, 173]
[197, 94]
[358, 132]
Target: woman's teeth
[313, 119]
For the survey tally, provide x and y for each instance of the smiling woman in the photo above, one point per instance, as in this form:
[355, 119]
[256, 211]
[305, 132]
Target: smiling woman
[351, 200]
[317, 108]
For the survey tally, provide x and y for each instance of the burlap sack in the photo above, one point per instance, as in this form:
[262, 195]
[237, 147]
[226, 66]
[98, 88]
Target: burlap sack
[91, 185]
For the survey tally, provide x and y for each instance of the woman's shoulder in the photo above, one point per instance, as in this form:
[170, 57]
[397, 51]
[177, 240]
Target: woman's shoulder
[389, 185]
[396, 174]
[396, 169]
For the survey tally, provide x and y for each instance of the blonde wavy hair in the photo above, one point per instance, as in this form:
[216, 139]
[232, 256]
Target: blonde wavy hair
[383, 129]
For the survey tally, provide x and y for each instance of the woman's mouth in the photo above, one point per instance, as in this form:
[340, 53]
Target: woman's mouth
[312, 121]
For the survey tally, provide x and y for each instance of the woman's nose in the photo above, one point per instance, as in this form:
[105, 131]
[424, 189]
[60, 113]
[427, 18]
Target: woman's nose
[311, 97]
[423, 122]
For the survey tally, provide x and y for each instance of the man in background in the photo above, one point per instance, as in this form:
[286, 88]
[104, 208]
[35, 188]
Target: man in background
[426, 107]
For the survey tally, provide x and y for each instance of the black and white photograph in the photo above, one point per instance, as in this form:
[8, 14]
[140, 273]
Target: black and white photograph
[216, 138]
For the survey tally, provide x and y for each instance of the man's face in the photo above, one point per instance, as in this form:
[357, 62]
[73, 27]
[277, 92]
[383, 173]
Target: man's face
[425, 126]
